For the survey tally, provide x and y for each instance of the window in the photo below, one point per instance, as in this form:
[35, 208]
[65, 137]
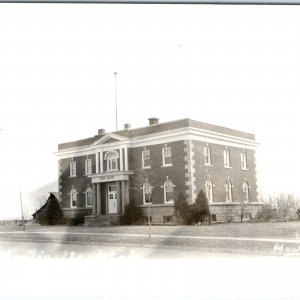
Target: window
[88, 197]
[146, 159]
[244, 160]
[167, 156]
[226, 158]
[245, 188]
[112, 160]
[73, 197]
[228, 191]
[72, 168]
[168, 191]
[88, 166]
[209, 190]
[147, 189]
[207, 157]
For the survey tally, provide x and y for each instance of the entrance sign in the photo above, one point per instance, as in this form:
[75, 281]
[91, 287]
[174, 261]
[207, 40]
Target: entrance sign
[109, 177]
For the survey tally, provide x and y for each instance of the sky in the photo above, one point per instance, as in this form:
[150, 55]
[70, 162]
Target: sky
[234, 66]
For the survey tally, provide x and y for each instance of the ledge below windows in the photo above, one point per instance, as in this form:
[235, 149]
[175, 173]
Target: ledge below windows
[158, 205]
[166, 166]
[233, 203]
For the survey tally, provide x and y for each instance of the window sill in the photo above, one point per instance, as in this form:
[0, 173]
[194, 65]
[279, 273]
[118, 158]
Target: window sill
[245, 169]
[166, 166]
[226, 167]
[209, 165]
[72, 176]
[145, 168]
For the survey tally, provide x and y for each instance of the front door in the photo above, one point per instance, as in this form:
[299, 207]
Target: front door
[112, 199]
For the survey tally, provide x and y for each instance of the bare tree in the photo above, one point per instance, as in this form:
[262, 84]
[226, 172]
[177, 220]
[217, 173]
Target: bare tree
[283, 203]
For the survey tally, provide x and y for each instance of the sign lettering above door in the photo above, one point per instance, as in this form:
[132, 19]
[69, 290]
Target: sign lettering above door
[107, 178]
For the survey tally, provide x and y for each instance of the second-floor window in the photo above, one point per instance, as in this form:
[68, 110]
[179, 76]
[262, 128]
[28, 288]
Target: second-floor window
[207, 157]
[244, 160]
[72, 168]
[112, 161]
[88, 166]
[167, 156]
[226, 158]
[146, 159]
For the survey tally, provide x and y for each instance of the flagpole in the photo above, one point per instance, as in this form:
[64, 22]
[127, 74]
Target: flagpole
[116, 101]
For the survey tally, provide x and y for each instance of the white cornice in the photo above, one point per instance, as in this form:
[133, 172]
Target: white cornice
[107, 136]
[190, 133]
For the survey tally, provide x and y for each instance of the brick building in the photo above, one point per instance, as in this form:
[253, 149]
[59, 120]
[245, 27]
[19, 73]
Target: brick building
[99, 175]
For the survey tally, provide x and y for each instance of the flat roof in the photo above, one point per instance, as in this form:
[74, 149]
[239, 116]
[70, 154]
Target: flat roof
[161, 127]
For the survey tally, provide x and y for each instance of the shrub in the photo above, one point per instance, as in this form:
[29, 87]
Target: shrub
[133, 214]
[201, 208]
[183, 211]
[54, 212]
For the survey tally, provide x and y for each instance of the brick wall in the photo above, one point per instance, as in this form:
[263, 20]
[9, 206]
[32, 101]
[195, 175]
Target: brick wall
[80, 182]
[157, 174]
[219, 174]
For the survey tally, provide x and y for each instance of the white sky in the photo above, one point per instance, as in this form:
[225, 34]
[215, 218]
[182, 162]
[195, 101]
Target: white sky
[235, 66]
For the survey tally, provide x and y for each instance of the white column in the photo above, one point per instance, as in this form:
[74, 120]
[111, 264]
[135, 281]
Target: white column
[126, 192]
[123, 189]
[94, 199]
[126, 158]
[119, 197]
[101, 161]
[121, 159]
[97, 162]
[98, 199]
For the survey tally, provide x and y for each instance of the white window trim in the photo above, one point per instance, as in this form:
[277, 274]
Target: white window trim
[86, 196]
[73, 167]
[209, 183]
[144, 195]
[87, 161]
[71, 199]
[109, 161]
[244, 161]
[163, 157]
[143, 159]
[165, 193]
[226, 155]
[208, 155]
[245, 191]
[229, 184]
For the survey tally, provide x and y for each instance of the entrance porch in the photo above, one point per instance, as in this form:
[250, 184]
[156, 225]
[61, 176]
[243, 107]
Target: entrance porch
[110, 196]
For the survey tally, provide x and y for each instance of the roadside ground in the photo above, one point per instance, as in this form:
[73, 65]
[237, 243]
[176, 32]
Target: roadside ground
[226, 261]
[237, 238]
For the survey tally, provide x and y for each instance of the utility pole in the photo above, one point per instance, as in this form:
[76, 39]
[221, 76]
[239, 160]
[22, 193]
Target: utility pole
[22, 211]
[116, 101]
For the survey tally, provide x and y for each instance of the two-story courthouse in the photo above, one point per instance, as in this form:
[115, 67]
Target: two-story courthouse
[99, 175]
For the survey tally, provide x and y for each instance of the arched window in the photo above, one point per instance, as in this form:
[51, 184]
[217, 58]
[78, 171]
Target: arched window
[245, 188]
[228, 191]
[147, 189]
[88, 197]
[73, 197]
[209, 190]
[168, 191]
[112, 160]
